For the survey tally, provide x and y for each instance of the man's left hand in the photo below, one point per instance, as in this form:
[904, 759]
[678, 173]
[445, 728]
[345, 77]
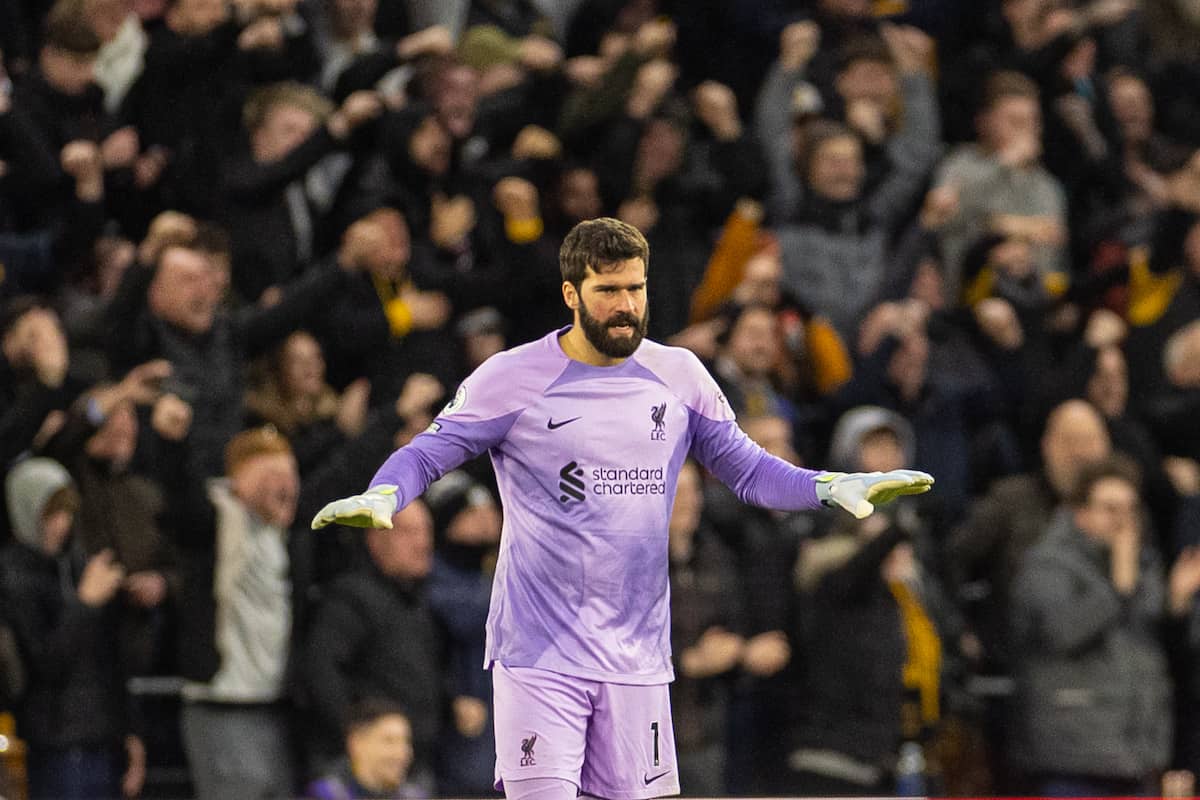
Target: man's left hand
[860, 492]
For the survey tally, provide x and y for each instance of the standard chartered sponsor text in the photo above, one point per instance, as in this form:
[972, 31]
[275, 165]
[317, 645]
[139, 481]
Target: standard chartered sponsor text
[628, 480]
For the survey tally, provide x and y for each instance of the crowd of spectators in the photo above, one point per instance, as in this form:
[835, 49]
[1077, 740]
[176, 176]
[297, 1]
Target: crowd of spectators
[249, 247]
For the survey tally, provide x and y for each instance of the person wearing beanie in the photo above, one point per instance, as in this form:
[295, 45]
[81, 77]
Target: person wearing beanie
[868, 695]
[72, 711]
[865, 424]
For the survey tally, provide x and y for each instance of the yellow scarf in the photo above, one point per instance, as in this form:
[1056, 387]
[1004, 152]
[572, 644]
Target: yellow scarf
[399, 315]
[922, 669]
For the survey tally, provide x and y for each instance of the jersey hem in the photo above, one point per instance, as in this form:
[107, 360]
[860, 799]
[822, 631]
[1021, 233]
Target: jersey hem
[600, 676]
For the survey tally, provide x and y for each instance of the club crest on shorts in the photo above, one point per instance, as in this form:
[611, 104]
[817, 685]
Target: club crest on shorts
[527, 750]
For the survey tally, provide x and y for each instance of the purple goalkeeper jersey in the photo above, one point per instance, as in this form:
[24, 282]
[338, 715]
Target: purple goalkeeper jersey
[586, 459]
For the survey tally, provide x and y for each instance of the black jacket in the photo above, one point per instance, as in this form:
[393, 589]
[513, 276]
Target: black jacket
[207, 368]
[373, 636]
[75, 694]
[853, 649]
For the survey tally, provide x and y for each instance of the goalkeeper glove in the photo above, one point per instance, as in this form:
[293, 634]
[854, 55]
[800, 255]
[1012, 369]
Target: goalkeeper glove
[860, 492]
[371, 509]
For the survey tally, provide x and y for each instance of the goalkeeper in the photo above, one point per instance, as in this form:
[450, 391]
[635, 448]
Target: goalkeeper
[587, 429]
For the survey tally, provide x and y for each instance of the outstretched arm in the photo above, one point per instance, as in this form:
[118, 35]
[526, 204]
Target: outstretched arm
[408, 471]
[759, 478]
[478, 418]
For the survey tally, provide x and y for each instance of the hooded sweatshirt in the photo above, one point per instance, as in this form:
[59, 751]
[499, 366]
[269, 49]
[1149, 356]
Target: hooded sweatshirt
[75, 695]
[28, 487]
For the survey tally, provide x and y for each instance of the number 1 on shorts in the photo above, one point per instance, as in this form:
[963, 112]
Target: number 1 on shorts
[654, 730]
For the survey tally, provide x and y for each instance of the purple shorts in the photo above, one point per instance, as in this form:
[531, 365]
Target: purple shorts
[611, 740]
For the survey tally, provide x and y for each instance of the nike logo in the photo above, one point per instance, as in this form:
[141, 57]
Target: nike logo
[552, 425]
[649, 779]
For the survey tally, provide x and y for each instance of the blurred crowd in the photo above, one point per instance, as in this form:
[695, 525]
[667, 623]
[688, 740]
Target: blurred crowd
[247, 248]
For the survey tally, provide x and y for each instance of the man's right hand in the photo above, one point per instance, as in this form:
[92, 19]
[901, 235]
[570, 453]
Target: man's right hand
[371, 509]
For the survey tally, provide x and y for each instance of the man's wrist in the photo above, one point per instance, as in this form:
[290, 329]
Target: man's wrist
[824, 483]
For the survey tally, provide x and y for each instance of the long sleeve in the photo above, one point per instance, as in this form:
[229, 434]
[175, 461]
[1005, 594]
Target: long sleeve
[754, 475]
[128, 341]
[773, 121]
[851, 580]
[33, 165]
[246, 178]
[483, 410]
[67, 445]
[912, 152]
[743, 169]
[50, 642]
[346, 469]
[915, 245]
[828, 357]
[586, 109]
[19, 422]
[434, 453]
[260, 328]
[979, 539]
[188, 513]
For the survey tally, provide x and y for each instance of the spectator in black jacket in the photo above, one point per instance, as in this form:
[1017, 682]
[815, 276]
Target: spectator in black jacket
[72, 713]
[64, 103]
[382, 324]
[60, 95]
[764, 545]
[121, 508]
[276, 194]
[375, 635]
[200, 63]
[39, 260]
[34, 362]
[859, 697]
[180, 101]
[174, 311]
[29, 165]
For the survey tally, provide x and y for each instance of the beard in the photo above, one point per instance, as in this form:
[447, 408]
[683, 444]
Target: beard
[597, 333]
